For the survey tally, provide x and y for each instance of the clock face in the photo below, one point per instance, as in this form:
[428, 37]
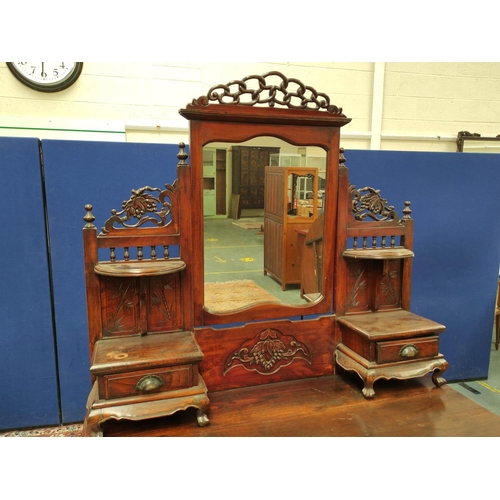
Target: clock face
[46, 76]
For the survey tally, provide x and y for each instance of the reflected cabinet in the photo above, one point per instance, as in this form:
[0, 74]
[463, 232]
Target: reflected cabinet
[291, 206]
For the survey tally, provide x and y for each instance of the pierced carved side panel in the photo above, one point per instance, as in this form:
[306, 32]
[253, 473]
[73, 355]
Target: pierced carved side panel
[164, 306]
[373, 285]
[140, 305]
[388, 292]
[120, 306]
[267, 352]
[358, 286]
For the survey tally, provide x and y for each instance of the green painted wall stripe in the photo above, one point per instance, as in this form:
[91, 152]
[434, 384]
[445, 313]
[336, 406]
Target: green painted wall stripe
[66, 130]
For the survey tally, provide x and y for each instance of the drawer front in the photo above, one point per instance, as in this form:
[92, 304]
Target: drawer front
[408, 349]
[119, 385]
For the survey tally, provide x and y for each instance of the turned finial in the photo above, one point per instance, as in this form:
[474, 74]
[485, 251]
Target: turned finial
[407, 210]
[182, 155]
[341, 157]
[89, 218]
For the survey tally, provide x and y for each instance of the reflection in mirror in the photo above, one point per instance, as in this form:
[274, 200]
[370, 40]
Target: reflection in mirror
[263, 200]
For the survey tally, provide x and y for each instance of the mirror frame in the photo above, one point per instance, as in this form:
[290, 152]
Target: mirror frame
[464, 136]
[224, 115]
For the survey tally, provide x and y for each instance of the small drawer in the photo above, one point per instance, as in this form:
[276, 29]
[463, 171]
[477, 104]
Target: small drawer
[119, 385]
[408, 349]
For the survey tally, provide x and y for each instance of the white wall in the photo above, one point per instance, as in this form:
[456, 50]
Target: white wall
[416, 106]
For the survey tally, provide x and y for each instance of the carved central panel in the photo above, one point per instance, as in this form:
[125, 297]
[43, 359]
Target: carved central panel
[267, 352]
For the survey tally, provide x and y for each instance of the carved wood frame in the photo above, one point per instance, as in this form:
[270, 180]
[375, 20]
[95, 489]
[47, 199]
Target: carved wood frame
[235, 116]
[464, 136]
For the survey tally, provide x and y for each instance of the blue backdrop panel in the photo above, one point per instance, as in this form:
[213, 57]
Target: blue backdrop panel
[102, 174]
[455, 202]
[28, 381]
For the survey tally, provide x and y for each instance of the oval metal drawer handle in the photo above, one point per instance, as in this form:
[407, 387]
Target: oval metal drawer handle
[409, 351]
[149, 383]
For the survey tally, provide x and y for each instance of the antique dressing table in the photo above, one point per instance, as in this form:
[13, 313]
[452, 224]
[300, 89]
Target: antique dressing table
[352, 307]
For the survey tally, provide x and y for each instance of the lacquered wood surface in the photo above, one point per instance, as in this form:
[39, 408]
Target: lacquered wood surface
[140, 268]
[147, 351]
[387, 324]
[381, 254]
[328, 406]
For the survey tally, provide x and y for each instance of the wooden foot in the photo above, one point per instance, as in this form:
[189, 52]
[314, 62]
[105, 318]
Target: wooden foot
[369, 379]
[437, 378]
[202, 419]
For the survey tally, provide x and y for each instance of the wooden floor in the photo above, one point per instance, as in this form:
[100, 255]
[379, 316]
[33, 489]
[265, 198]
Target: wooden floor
[327, 406]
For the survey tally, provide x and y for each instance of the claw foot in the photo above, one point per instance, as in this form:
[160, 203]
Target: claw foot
[202, 419]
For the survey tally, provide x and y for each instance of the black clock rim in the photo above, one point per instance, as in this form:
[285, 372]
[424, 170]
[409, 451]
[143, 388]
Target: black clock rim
[54, 87]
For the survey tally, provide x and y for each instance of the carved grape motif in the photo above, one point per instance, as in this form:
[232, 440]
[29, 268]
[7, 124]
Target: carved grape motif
[267, 352]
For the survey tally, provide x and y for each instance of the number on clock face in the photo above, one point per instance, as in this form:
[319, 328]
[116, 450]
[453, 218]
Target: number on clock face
[45, 72]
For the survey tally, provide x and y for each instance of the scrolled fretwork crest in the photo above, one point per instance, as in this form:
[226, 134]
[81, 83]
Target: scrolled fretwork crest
[272, 88]
[267, 352]
[144, 207]
[367, 203]
[460, 138]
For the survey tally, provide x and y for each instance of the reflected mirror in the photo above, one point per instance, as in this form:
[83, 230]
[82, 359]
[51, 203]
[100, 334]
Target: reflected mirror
[263, 203]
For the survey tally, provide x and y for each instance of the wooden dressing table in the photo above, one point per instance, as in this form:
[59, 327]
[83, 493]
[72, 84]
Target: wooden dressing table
[354, 313]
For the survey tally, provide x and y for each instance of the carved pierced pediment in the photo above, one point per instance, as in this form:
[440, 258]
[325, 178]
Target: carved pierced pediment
[146, 206]
[272, 88]
[368, 203]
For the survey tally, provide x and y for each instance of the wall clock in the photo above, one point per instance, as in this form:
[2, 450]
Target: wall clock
[46, 76]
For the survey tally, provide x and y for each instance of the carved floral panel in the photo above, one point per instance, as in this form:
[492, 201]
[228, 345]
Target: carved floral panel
[267, 352]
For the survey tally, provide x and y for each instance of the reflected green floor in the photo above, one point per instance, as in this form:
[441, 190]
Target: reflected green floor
[235, 253]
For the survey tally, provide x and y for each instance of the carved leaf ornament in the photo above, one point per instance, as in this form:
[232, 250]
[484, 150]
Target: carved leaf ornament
[267, 352]
[367, 202]
[144, 207]
[272, 88]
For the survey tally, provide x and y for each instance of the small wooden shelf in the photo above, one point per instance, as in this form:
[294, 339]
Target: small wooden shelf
[386, 325]
[378, 253]
[145, 351]
[139, 268]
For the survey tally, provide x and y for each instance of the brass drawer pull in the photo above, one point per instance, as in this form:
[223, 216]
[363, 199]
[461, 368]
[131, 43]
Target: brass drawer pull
[149, 383]
[409, 351]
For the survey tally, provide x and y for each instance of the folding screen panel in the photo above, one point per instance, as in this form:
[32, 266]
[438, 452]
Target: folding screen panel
[456, 203]
[102, 174]
[28, 376]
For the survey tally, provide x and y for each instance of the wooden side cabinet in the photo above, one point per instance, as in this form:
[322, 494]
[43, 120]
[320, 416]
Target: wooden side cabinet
[291, 206]
[144, 354]
[379, 337]
[146, 376]
[390, 344]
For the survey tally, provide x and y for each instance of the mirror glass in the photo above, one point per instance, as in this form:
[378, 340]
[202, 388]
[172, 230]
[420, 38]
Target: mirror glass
[482, 146]
[262, 200]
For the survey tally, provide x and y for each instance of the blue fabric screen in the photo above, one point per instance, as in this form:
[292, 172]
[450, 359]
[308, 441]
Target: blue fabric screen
[455, 203]
[102, 174]
[28, 377]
